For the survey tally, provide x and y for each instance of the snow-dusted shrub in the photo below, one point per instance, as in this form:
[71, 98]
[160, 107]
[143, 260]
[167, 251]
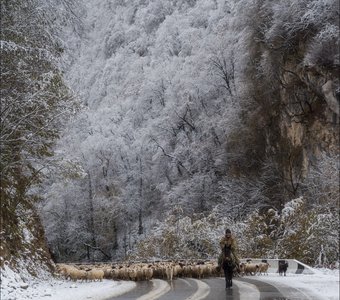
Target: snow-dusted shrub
[258, 236]
[182, 236]
[321, 187]
[296, 232]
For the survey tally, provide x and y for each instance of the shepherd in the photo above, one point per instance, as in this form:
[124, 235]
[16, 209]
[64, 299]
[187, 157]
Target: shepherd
[228, 259]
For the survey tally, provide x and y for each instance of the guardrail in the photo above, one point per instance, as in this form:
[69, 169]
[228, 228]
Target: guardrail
[294, 266]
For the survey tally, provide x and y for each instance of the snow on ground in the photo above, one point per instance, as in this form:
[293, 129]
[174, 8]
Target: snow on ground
[19, 287]
[323, 285]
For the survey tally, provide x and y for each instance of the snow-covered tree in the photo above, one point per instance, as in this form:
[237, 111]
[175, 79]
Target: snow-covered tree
[34, 104]
[201, 104]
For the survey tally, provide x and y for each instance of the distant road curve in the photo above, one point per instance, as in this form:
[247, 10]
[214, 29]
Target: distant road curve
[244, 288]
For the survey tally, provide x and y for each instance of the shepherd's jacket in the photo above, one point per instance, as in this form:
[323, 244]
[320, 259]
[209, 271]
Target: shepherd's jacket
[230, 242]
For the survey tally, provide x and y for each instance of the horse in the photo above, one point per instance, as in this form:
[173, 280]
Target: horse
[228, 266]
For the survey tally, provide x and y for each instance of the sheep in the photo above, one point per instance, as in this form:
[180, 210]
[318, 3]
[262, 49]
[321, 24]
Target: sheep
[169, 271]
[144, 271]
[61, 268]
[195, 271]
[187, 271]
[263, 268]
[148, 272]
[242, 269]
[178, 270]
[95, 274]
[76, 274]
[132, 274]
[72, 273]
[123, 273]
[198, 271]
[250, 268]
[158, 271]
[65, 270]
[107, 273]
[114, 274]
[140, 273]
[206, 270]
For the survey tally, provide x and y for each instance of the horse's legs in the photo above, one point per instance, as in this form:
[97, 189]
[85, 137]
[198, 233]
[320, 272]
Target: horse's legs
[228, 277]
[231, 278]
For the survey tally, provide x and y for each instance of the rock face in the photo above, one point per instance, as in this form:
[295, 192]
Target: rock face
[328, 90]
[292, 78]
[23, 243]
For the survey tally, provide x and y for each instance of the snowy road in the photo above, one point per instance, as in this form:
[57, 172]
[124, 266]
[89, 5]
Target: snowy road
[213, 289]
[322, 285]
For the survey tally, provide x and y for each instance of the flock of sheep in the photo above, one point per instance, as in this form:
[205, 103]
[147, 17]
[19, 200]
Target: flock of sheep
[148, 271]
[73, 273]
[250, 268]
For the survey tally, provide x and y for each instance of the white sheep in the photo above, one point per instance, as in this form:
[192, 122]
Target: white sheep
[76, 274]
[169, 270]
[107, 272]
[72, 272]
[65, 270]
[95, 274]
[250, 268]
[178, 270]
[148, 272]
[132, 274]
[263, 268]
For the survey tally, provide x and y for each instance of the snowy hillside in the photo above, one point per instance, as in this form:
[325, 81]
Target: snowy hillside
[142, 129]
[183, 121]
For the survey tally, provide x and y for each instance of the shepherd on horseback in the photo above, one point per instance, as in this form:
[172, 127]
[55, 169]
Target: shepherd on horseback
[228, 259]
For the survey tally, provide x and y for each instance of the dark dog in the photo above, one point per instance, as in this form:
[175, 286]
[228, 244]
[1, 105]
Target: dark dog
[283, 266]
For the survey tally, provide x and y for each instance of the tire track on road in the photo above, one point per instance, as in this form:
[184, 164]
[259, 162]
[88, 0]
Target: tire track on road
[212, 289]
[180, 289]
[270, 292]
[218, 291]
[247, 290]
[160, 287]
[202, 292]
[291, 293]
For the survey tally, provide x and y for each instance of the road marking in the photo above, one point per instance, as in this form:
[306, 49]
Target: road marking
[202, 291]
[160, 287]
[247, 290]
[185, 281]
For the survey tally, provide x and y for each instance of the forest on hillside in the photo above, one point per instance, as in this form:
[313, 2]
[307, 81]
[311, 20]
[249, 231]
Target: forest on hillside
[142, 129]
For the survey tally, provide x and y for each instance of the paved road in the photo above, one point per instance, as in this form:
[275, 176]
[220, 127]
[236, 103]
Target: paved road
[210, 289]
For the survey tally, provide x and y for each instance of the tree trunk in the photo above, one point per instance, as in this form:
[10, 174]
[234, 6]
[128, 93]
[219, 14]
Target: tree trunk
[91, 214]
